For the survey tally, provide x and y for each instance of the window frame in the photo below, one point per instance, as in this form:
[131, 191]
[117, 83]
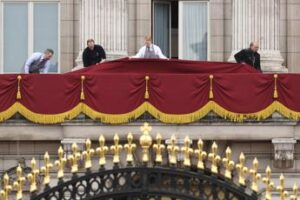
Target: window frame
[30, 39]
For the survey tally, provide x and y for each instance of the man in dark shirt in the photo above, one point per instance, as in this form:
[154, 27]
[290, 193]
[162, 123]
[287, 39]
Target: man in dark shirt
[249, 56]
[93, 54]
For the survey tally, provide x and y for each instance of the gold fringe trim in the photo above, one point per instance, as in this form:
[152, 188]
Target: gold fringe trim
[179, 118]
[49, 118]
[240, 117]
[211, 94]
[147, 78]
[115, 118]
[286, 112]
[275, 86]
[7, 114]
[19, 77]
[82, 96]
[211, 106]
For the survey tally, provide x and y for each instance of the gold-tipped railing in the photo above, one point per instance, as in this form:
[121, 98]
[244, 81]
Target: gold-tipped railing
[203, 161]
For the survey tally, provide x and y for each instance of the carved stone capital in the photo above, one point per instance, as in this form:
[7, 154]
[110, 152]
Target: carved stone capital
[284, 152]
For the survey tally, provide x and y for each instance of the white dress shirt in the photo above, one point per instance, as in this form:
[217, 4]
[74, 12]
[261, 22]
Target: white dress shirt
[153, 47]
[36, 57]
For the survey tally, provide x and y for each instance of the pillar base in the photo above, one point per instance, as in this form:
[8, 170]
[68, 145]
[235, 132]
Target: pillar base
[270, 61]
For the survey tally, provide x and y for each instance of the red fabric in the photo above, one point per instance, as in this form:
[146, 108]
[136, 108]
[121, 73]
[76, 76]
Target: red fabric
[114, 94]
[184, 93]
[8, 91]
[289, 90]
[50, 94]
[110, 89]
[243, 93]
[174, 66]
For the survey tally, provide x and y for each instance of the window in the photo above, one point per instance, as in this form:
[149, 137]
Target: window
[186, 34]
[162, 26]
[28, 27]
[193, 30]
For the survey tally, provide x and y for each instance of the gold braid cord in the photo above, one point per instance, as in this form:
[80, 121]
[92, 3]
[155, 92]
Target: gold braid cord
[19, 77]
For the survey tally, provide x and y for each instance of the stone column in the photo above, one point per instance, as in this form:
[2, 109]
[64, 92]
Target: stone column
[106, 22]
[258, 20]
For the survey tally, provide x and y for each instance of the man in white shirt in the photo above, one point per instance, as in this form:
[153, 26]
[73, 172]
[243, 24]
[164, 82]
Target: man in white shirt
[149, 50]
[38, 62]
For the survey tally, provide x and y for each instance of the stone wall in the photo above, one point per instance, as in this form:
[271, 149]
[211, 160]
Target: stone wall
[293, 34]
[139, 24]
[217, 30]
[67, 34]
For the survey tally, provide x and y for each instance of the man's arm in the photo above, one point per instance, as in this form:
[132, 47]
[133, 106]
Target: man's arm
[258, 61]
[140, 54]
[239, 57]
[47, 67]
[29, 61]
[159, 53]
[102, 54]
[85, 59]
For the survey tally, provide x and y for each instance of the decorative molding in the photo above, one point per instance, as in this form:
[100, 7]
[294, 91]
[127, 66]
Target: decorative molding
[284, 152]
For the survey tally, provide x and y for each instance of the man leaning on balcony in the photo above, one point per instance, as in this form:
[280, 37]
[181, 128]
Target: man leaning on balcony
[150, 50]
[93, 54]
[249, 56]
[38, 62]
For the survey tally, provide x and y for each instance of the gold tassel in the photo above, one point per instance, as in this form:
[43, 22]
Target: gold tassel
[19, 90]
[147, 90]
[211, 94]
[275, 87]
[82, 97]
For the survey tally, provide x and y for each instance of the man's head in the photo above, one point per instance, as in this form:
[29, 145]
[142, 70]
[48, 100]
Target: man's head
[254, 46]
[48, 53]
[148, 41]
[90, 43]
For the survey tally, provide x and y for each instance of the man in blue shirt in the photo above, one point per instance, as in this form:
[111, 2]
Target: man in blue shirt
[38, 62]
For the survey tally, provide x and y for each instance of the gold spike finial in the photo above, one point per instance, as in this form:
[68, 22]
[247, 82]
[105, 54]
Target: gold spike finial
[145, 141]
[255, 175]
[294, 196]
[6, 188]
[242, 169]
[281, 188]
[116, 149]
[101, 151]
[19, 183]
[33, 175]
[228, 163]
[200, 154]
[214, 158]
[173, 149]
[158, 149]
[268, 182]
[146, 128]
[88, 154]
[46, 169]
[129, 147]
[60, 163]
[74, 158]
[187, 151]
